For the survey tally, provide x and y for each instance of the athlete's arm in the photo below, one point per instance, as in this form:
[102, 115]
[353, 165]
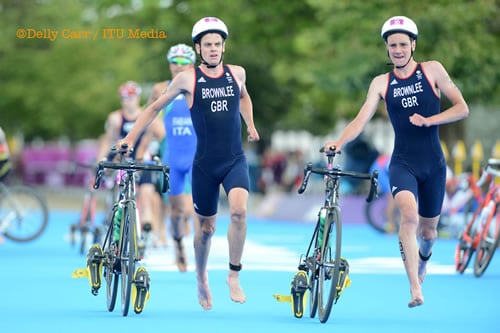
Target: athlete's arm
[438, 75]
[156, 92]
[181, 84]
[246, 106]
[155, 131]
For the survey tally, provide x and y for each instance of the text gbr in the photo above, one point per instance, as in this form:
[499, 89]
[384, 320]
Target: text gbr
[220, 92]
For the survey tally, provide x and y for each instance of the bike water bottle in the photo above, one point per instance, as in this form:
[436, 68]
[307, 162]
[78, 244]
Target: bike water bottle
[117, 220]
[322, 218]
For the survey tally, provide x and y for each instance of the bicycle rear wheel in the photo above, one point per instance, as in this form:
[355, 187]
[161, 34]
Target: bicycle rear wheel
[128, 255]
[25, 213]
[377, 216]
[488, 244]
[329, 264]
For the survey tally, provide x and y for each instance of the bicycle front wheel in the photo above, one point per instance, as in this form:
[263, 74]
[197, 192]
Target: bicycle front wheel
[467, 244]
[128, 254]
[329, 264]
[488, 244]
[24, 212]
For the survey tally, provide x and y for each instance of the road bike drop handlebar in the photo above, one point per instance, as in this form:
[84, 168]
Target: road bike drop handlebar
[130, 166]
[336, 172]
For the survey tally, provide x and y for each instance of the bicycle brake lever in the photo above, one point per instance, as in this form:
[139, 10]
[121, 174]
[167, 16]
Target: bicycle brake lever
[166, 180]
[98, 176]
[373, 187]
[307, 174]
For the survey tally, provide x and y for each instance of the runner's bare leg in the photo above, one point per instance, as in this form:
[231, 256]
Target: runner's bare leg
[203, 232]
[427, 233]
[236, 236]
[408, 245]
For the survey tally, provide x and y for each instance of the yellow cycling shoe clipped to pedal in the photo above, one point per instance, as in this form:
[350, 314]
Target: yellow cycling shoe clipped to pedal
[94, 267]
[298, 292]
[344, 280]
[140, 292]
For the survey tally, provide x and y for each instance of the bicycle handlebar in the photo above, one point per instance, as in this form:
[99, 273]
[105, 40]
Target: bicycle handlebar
[337, 173]
[131, 166]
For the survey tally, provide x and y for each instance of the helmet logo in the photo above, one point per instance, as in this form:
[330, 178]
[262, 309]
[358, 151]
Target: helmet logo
[397, 21]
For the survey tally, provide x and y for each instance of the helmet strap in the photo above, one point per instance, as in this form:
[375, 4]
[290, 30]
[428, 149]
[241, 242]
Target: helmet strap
[399, 67]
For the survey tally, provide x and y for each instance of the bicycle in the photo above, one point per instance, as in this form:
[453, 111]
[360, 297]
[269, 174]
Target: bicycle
[482, 234]
[24, 213]
[322, 264]
[475, 236]
[86, 225]
[118, 256]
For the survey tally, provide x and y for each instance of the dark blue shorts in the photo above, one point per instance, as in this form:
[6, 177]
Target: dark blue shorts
[427, 184]
[208, 176]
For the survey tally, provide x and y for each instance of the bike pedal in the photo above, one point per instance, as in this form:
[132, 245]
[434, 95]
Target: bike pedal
[140, 294]
[298, 291]
[344, 280]
[94, 266]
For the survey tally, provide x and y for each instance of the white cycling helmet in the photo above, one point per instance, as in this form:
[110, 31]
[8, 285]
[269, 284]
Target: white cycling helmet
[181, 51]
[206, 25]
[399, 24]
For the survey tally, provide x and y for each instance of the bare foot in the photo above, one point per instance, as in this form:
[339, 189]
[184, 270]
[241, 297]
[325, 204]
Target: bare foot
[204, 294]
[235, 291]
[417, 298]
